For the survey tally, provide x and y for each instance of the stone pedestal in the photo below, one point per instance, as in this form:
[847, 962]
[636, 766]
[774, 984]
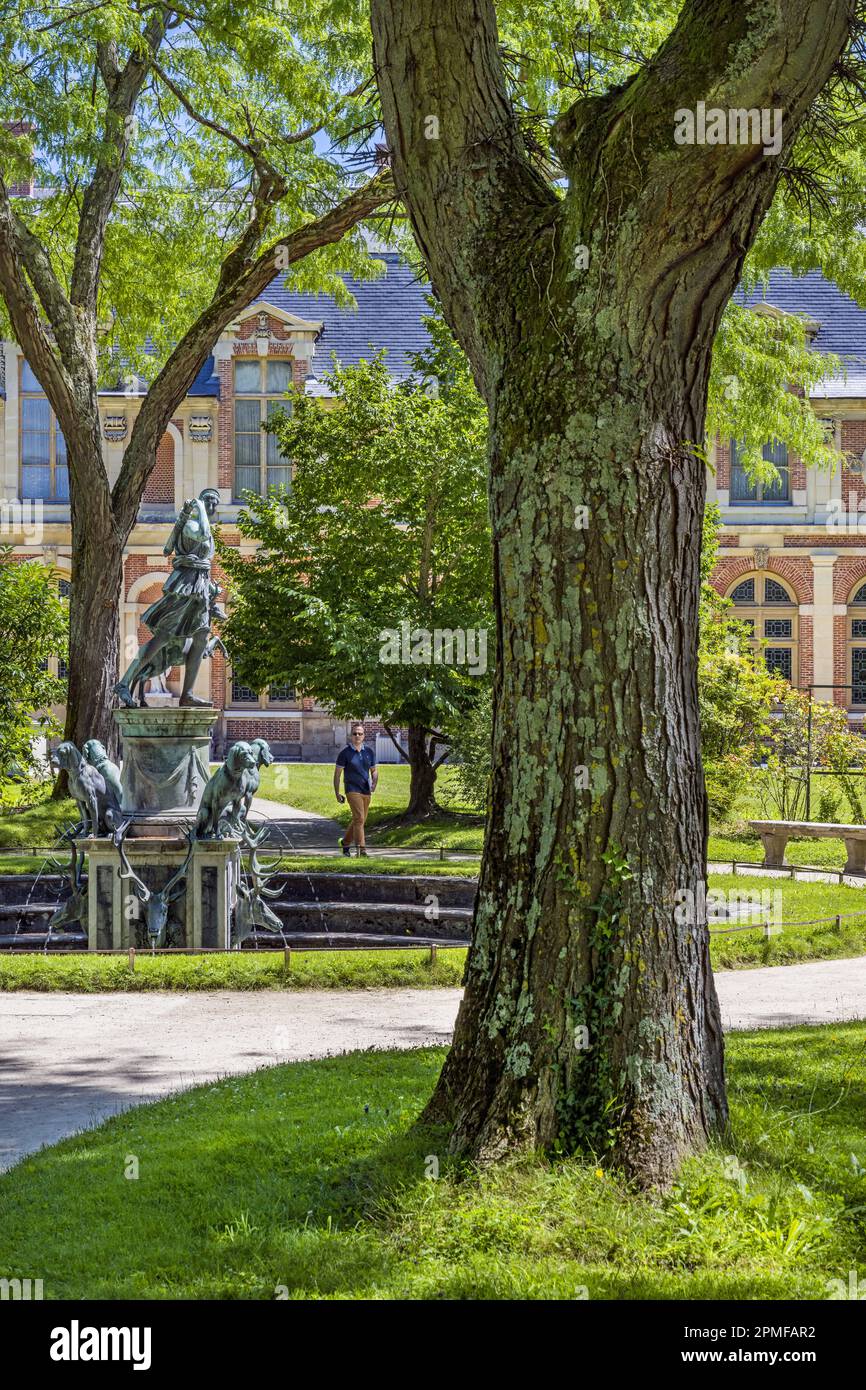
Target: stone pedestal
[166, 756]
[115, 915]
[164, 773]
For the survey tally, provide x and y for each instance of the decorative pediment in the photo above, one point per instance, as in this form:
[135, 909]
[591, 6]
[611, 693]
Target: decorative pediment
[261, 311]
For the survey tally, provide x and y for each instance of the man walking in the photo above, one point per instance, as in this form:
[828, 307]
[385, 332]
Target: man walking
[357, 763]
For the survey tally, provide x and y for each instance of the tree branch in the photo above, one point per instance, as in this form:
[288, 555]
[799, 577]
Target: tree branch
[123, 87]
[185, 362]
[24, 310]
[458, 153]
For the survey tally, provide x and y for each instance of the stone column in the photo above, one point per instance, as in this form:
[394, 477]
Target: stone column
[823, 611]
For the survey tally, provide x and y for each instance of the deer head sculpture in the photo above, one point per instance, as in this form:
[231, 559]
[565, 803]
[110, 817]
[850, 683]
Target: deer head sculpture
[75, 907]
[251, 911]
[156, 901]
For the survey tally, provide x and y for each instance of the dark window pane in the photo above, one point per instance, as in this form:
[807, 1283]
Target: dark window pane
[858, 627]
[64, 588]
[62, 669]
[745, 592]
[36, 481]
[35, 414]
[860, 596]
[280, 476]
[28, 380]
[35, 449]
[776, 453]
[242, 695]
[778, 661]
[774, 593]
[742, 490]
[248, 480]
[777, 627]
[61, 483]
[248, 416]
[858, 675]
[281, 692]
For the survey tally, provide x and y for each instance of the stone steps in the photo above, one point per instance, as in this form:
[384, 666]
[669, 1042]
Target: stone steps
[386, 919]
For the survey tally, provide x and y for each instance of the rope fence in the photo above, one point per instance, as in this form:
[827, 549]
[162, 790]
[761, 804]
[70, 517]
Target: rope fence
[134, 953]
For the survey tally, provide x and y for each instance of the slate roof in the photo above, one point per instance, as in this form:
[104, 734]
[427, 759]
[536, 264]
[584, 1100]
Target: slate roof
[390, 311]
[388, 316]
[842, 323]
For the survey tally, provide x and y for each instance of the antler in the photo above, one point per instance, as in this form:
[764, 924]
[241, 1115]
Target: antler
[144, 894]
[260, 876]
[185, 865]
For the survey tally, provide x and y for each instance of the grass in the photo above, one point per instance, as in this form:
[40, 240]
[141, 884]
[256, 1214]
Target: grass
[247, 970]
[306, 1181]
[786, 902]
[38, 824]
[310, 787]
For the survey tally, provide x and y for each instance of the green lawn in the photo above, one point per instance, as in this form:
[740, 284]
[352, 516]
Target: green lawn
[39, 824]
[247, 970]
[310, 787]
[305, 1181]
[792, 902]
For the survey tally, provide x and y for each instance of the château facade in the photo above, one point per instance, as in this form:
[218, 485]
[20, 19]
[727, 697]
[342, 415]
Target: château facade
[792, 557]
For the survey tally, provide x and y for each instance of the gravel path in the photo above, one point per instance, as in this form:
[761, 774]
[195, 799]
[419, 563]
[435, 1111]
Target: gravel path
[68, 1061]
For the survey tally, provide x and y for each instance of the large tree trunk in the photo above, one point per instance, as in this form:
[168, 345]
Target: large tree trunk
[590, 1019]
[590, 1012]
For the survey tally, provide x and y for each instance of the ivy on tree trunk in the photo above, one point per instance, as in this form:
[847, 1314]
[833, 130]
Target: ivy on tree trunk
[590, 1018]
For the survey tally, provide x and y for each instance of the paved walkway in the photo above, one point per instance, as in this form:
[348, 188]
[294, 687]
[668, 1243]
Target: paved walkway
[300, 828]
[70, 1060]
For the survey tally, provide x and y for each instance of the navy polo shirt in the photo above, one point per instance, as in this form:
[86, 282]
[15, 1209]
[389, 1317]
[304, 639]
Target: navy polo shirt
[356, 764]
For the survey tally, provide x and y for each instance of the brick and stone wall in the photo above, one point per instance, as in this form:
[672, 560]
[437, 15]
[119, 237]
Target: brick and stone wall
[160, 484]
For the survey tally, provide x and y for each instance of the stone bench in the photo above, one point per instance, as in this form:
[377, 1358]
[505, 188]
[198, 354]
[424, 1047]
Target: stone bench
[776, 833]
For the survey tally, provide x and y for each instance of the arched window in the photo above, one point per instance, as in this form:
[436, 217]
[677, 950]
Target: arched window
[856, 643]
[771, 610]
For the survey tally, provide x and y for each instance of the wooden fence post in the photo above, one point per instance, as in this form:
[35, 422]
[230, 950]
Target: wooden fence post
[132, 958]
